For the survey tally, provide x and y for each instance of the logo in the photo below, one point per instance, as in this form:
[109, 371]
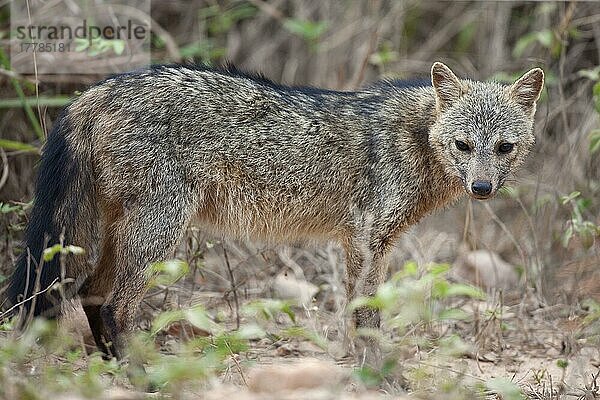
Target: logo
[66, 37]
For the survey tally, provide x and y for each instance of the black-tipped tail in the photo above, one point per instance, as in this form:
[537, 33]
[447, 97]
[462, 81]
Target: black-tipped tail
[62, 185]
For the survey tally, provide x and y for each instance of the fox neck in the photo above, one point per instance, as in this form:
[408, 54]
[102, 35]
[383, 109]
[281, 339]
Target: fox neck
[439, 186]
[435, 186]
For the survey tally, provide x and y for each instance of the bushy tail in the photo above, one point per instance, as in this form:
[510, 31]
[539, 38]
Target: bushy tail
[63, 207]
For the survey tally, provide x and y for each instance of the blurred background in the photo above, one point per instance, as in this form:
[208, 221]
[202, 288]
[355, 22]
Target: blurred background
[543, 230]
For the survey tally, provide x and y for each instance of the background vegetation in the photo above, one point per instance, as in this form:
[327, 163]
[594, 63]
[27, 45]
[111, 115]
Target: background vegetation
[545, 226]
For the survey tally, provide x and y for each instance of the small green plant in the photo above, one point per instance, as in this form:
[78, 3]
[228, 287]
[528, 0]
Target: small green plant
[593, 74]
[562, 364]
[372, 377]
[578, 225]
[269, 308]
[409, 298]
[591, 321]
[595, 134]
[207, 51]
[545, 38]
[506, 389]
[14, 215]
[219, 19]
[587, 231]
[197, 316]
[195, 359]
[216, 21]
[54, 362]
[310, 31]
[413, 303]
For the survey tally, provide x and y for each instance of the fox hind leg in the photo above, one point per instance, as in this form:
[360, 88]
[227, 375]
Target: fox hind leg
[94, 293]
[147, 233]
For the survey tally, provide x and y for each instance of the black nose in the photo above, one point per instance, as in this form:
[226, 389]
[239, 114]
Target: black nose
[481, 188]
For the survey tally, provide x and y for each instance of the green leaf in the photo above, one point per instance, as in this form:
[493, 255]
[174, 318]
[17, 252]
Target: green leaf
[165, 319]
[386, 297]
[385, 55]
[267, 308]
[371, 377]
[42, 101]
[50, 252]
[505, 77]
[221, 20]
[251, 332]
[591, 74]
[70, 249]
[461, 289]
[586, 234]
[596, 92]
[438, 269]
[465, 37]
[198, 317]
[287, 309]
[453, 314]
[358, 303]
[439, 289]
[301, 332]
[206, 49]
[310, 31]
[81, 44]
[594, 141]
[17, 146]
[583, 204]
[567, 235]
[7, 208]
[524, 42]
[505, 388]
[118, 46]
[411, 268]
[368, 376]
[571, 196]
[167, 272]
[544, 37]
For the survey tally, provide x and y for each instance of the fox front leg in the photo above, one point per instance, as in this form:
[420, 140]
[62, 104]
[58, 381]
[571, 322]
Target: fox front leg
[365, 271]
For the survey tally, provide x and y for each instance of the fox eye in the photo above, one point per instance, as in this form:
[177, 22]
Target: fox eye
[505, 148]
[462, 146]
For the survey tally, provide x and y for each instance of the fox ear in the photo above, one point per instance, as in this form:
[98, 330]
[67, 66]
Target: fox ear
[527, 89]
[447, 86]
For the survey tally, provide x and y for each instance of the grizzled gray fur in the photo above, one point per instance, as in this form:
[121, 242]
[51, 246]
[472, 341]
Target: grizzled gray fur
[138, 157]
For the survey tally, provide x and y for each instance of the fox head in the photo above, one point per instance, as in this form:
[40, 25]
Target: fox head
[483, 131]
